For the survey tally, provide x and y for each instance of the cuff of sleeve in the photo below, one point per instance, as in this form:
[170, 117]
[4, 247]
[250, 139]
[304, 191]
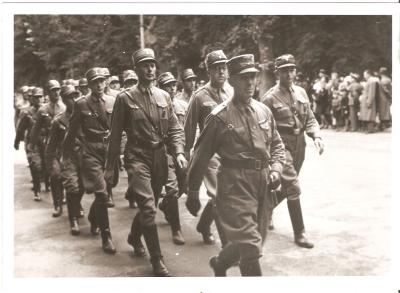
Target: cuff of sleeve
[277, 167]
[314, 135]
[179, 150]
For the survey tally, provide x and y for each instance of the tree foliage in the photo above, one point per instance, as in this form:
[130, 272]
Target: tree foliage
[65, 46]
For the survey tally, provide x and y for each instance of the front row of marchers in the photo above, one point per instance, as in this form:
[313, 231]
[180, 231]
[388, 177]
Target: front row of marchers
[248, 153]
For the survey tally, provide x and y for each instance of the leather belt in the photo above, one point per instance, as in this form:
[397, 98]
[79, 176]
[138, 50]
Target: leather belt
[153, 145]
[289, 130]
[97, 137]
[244, 164]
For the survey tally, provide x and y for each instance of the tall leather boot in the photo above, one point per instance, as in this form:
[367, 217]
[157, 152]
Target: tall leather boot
[250, 268]
[73, 212]
[36, 184]
[81, 213]
[92, 217]
[104, 224]
[46, 179]
[278, 197]
[150, 234]
[110, 202]
[57, 193]
[204, 225]
[135, 235]
[173, 216]
[296, 218]
[228, 256]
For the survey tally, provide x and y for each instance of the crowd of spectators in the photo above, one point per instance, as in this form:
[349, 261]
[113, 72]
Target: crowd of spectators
[351, 102]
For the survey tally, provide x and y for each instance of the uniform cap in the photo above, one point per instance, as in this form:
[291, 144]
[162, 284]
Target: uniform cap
[129, 75]
[188, 73]
[286, 60]
[83, 82]
[106, 72]
[114, 79]
[67, 90]
[37, 92]
[242, 64]
[95, 73]
[165, 78]
[141, 55]
[383, 70]
[24, 89]
[215, 57]
[53, 84]
[69, 82]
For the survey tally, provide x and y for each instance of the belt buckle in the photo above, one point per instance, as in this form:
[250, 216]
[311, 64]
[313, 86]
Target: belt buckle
[296, 131]
[257, 164]
[105, 139]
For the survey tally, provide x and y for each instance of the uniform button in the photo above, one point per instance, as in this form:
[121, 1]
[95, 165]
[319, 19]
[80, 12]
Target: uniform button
[254, 127]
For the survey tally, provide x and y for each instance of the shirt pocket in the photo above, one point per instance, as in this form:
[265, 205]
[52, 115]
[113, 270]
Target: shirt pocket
[281, 111]
[136, 112]
[90, 119]
[208, 106]
[265, 127]
[162, 109]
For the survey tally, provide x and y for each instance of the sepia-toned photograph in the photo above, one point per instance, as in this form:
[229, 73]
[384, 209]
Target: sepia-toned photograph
[201, 145]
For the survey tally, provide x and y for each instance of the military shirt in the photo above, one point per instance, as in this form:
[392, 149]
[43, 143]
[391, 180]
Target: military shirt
[58, 130]
[180, 108]
[45, 116]
[27, 119]
[203, 101]
[236, 132]
[91, 116]
[291, 109]
[183, 96]
[146, 115]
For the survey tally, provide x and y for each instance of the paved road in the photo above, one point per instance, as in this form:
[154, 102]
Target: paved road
[346, 203]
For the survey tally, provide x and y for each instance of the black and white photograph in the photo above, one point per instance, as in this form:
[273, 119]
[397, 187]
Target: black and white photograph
[200, 144]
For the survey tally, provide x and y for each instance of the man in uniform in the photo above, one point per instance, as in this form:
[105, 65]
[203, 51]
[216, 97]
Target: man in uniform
[243, 132]
[68, 169]
[21, 103]
[145, 113]
[92, 115]
[114, 83]
[293, 115]
[27, 119]
[108, 90]
[83, 86]
[38, 141]
[188, 83]
[201, 104]
[176, 183]
[130, 78]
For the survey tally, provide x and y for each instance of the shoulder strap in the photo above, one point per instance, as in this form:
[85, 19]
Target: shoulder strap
[100, 117]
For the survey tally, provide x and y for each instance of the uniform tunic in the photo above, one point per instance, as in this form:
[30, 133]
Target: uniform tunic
[70, 167]
[27, 119]
[40, 133]
[203, 101]
[293, 115]
[238, 133]
[92, 115]
[147, 117]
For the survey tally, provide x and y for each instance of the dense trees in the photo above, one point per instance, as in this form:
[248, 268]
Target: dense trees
[61, 46]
